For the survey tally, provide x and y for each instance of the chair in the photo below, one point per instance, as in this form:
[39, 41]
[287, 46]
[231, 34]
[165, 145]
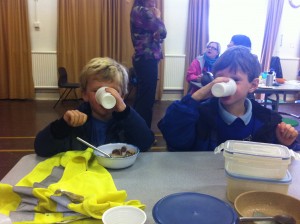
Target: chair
[64, 84]
[275, 65]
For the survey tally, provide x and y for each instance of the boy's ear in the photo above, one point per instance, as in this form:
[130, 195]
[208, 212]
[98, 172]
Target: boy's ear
[254, 85]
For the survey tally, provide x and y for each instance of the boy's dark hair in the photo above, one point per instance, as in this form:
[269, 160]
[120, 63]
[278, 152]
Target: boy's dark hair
[239, 58]
[242, 40]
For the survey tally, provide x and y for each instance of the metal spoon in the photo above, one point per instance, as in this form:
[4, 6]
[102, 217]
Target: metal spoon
[93, 147]
[281, 219]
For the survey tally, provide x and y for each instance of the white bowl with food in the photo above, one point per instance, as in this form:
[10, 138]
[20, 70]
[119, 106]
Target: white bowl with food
[122, 155]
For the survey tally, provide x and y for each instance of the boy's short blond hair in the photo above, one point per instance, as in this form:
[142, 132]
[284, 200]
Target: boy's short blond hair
[105, 69]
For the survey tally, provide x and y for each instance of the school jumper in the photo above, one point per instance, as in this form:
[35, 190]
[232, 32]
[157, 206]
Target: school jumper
[124, 127]
[189, 125]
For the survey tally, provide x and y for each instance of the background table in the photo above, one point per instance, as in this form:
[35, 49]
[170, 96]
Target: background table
[289, 87]
[158, 174]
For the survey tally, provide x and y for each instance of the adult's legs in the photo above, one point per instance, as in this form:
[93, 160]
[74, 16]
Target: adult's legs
[147, 73]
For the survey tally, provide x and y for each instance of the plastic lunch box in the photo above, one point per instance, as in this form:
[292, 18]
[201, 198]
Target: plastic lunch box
[255, 159]
[237, 184]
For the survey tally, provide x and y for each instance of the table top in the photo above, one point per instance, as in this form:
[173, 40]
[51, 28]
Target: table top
[288, 86]
[158, 174]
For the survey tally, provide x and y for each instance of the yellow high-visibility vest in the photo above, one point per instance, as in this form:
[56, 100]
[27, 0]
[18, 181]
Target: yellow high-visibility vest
[66, 187]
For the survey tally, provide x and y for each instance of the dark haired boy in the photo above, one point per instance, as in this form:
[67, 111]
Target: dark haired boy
[200, 122]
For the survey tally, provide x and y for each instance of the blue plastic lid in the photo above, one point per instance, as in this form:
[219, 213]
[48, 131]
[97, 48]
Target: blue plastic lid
[287, 179]
[193, 208]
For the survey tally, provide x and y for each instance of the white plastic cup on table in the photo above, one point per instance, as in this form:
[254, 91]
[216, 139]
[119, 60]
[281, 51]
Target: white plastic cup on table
[5, 219]
[104, 98]
[223, 89]
[125, 215]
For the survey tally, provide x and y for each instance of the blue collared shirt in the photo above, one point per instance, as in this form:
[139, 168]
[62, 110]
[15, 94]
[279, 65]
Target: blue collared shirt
[229, 118]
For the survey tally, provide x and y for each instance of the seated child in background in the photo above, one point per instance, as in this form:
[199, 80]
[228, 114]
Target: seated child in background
[200, 122]
[91, 121]
[240, 40]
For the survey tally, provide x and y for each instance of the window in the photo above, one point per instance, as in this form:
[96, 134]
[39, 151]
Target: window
[230, 17]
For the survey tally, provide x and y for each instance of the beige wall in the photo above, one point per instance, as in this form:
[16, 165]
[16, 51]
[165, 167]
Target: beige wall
[287, 47]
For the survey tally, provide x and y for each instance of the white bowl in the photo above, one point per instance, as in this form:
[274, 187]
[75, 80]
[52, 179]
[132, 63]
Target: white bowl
[124, 215]
[116, 162]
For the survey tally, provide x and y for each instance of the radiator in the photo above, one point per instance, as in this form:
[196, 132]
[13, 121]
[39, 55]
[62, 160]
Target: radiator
[174, 72]
[44, 69]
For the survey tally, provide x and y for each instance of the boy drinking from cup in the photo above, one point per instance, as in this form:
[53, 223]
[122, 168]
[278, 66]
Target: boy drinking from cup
[92, 121]
[200, 122]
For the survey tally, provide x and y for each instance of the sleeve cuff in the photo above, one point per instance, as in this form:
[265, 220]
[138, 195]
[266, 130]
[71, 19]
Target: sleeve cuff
[121, 115]
[189, 101]
[60, 128]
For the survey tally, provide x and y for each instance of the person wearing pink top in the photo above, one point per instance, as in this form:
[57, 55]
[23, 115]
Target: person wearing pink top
[202, 64]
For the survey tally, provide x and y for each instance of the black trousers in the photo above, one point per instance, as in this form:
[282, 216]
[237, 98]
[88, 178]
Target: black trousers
[147, 74]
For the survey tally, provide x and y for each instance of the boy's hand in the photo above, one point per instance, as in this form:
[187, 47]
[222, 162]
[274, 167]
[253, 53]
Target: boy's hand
[120, 105]
[286, 134]
[75, 118]
[205, 91]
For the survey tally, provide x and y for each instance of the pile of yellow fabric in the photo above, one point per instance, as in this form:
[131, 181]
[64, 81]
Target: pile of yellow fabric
[66, 187]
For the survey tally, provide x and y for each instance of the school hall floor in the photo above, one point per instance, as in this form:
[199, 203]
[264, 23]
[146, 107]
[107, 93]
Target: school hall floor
[21, 120]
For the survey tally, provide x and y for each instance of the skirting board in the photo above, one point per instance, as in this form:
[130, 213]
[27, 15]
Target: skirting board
[46, 94]
[52, 94]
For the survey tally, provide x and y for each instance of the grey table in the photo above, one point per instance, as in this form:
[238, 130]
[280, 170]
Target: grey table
[158, 174]
[289, 87]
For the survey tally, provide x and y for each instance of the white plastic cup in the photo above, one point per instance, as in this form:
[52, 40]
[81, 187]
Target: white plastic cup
[104, 98]
[125, 215]
[5, 219]
[223, 89]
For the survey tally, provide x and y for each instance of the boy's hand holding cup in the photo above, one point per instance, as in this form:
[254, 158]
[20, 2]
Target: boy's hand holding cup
[106, 99]
[223, 89]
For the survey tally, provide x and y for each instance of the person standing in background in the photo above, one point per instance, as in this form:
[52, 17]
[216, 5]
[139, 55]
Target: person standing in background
[147, 33]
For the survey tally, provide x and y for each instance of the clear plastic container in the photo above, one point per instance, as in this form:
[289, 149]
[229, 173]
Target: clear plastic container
[255, 159]
[237, 185]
